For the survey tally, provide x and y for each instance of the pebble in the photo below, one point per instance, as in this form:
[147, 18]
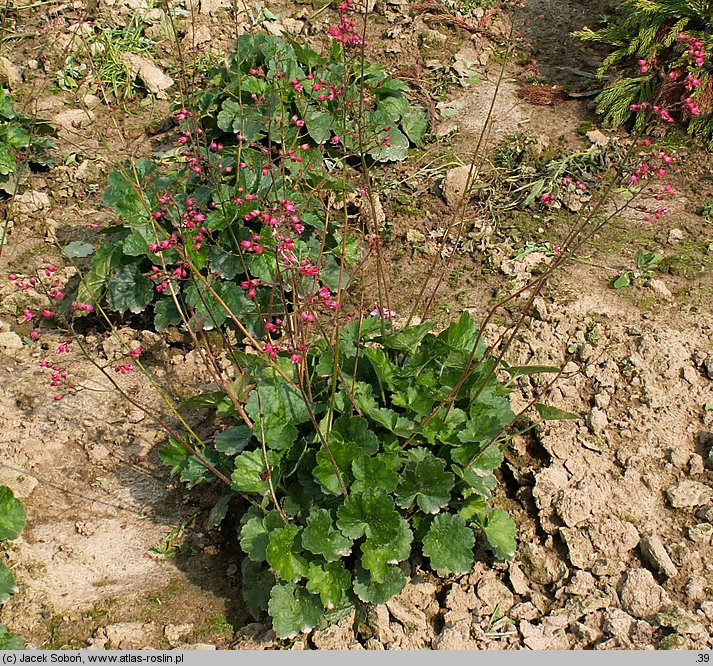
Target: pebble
[640, 595]
[689, 494]
[655, 554]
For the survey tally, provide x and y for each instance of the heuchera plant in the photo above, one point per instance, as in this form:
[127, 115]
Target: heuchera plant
[376, 446]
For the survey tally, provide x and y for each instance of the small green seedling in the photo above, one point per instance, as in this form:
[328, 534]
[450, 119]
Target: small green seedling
[646, 263]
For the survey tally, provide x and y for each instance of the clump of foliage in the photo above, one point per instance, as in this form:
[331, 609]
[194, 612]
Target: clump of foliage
[24, 142]
[380, 445]
[12, 522]
[667, 43]
[273, 137]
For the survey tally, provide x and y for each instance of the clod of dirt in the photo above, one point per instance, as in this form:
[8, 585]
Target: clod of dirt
[686, 494]
[30, 202]
[541, 565]
[614, 537]
[655, 554]
[455, 636]
[494, 594]
[579, 547]
[175, 632]
[339, 636]
[128, 635]
[10, 341]
[10, 73]
[546, 636]
[659, 287]
[454, 184]
[155, 81]
[640, 595]
[701, 533]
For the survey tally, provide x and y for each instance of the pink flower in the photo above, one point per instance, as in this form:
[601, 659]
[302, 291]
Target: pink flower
[295, 358]
[382, 314]
[27, 315]
[34, 335]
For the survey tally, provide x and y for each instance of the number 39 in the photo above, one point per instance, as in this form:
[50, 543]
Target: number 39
[703, 658]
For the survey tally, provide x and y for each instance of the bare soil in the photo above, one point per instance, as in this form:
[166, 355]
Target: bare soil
[615, 511]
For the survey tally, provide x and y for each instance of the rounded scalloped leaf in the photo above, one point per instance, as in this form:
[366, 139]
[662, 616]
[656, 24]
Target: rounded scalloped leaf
[12, 515]
[320, 537]
[373, 592]
[449, 544]
[424, 482]
[293, 610]
[283, 554]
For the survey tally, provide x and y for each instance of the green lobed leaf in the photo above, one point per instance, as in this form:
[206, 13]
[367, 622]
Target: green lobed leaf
[449, 544]
[283, 553]
[233, 440]
[383, 549]
[624, 280]
[165, 314]
[293, 610]
[424, 482]
[500, 532]
[255, 530]
[321, 538]
[330, 581]
[128, 289]
[373, 592]
[12, 515]
[7, 583]
[349, 439]
[548, 413]
[376, 472]
[78, 250]
[10, 641]
[415, 123]
[407, 339]
[249, 473]
[257, 581]
[93, 283]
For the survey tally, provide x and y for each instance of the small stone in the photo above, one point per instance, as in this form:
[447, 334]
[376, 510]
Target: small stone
[128, 634]
[543, 637]
[582, 583]
[155, 81]
[524, 611]
[541, 565]
[598, 138]
[579, 547]
[690, 374]
[696, 588]
[10, 341]
[701, 533]
[679, 457]
[175, 632]
[707, 609]
[454, 184]
[619, 624]
[597, 420]
[518, 580]
[640, 595]
[454, 636]
[574, 506]
[614, 537]
[660, 288]
[696, 465]
[10, 73]
[675, 235]
[689, 494]
[654, 552]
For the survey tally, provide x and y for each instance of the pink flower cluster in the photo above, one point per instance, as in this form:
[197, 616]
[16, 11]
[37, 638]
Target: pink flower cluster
[345, 33]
